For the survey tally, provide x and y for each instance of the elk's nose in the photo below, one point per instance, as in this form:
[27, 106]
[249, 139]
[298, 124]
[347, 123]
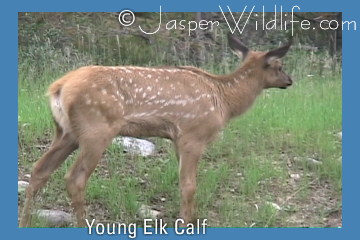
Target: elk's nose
[289, 81]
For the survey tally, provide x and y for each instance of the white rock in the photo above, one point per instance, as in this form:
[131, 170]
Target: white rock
[308, 160]
[314, 161]
[146, 212]
[339, 135]
[136, 145]
[22, 185]
[295, 176]
[54, 217]
[274, 205]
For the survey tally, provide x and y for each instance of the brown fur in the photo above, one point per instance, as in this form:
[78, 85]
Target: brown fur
[94, 104]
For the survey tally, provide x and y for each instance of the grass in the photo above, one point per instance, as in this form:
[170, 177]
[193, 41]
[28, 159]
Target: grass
[261, 158]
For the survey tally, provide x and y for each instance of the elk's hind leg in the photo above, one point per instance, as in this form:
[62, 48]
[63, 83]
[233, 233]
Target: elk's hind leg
[92, 144]
[62, 146]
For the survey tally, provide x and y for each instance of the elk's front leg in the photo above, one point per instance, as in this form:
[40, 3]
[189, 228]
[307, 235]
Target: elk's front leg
[189, 154]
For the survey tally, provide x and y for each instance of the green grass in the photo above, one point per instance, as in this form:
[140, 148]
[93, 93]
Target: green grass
[249, 166]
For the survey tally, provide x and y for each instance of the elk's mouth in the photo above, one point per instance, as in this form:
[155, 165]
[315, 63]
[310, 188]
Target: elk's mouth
[288, 85]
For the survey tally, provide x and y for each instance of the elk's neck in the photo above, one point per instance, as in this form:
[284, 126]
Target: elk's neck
[239, 90]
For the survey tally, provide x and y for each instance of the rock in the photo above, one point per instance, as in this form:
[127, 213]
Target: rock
[146, 212]
[274, 205]
[22, 185]
[339, 135]
[295, 176]
[311, 161]
[136, 146]
[54, 218]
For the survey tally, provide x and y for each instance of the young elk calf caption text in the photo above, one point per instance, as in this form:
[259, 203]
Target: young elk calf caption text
[150, 227]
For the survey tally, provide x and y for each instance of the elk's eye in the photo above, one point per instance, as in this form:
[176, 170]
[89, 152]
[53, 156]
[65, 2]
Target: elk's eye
[280, 69]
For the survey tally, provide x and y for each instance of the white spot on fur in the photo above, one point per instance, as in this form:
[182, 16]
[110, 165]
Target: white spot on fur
[181, 102]
[115, 99]
[152, 97]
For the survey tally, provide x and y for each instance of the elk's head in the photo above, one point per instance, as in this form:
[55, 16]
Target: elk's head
[267, 65]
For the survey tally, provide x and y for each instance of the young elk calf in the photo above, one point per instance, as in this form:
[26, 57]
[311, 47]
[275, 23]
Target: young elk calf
[94, 104]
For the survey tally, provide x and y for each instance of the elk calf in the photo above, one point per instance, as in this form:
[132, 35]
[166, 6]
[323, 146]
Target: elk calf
[94, 104]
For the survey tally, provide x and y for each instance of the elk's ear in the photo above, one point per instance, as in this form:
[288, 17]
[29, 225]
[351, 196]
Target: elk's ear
[237, 46]
[277, 53]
